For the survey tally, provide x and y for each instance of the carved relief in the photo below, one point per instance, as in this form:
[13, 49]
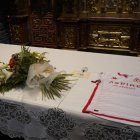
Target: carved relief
[131, 5]
[96, 7]
[36, 22]
[68, 37]
[43, 30]
[109, 36]
[111, 4]
[99, 25]
[92, 6]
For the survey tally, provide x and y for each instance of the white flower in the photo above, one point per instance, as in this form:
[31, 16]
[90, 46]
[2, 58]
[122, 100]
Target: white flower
[37, 73]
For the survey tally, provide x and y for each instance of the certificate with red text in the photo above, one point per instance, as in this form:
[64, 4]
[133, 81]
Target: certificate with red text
[116, 97]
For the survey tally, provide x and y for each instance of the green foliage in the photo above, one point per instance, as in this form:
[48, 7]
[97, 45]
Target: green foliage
[20, 67]
[59, 84]
[20, 71]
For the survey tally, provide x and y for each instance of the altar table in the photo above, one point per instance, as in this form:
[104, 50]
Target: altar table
[23, 113]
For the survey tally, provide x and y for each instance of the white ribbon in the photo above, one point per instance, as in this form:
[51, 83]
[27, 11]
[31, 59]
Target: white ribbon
[40, 73]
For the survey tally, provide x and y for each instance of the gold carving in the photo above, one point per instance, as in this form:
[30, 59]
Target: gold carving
[92, 6]
[131, 5]
[36, 22]
[68, 37]
[108, 7]
[43, 29]
[109, 37]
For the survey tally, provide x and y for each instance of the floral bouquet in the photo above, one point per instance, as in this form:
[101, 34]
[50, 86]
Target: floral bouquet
[32, 69]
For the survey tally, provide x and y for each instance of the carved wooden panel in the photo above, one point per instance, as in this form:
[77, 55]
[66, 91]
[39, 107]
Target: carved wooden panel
[43, 28]
[68, 37]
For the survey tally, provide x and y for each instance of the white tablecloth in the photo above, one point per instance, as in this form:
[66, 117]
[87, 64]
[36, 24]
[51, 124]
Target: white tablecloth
[23, 113]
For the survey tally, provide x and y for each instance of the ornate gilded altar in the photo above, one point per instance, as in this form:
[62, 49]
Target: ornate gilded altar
[100, 25]
[111, 26]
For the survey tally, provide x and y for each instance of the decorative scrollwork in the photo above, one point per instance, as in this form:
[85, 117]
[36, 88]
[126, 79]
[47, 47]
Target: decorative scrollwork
[68, 37]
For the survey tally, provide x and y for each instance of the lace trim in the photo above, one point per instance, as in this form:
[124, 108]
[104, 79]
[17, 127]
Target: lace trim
[60, 125]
